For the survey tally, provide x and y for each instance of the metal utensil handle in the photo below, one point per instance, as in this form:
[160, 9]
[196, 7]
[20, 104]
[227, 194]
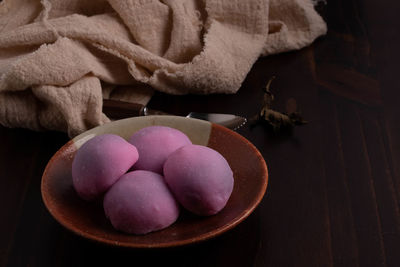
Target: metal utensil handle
[119, 109]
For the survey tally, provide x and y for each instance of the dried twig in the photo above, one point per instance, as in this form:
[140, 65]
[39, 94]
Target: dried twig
[279, 121]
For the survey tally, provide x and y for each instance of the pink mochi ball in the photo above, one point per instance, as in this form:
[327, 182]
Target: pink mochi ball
[99, 163]
[140, 202]
[200, 179]
[155, 144]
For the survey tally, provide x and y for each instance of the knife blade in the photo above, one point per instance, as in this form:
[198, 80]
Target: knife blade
[116, 109]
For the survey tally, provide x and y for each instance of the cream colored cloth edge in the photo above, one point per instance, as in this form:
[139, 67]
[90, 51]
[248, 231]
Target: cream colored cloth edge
[36, 95]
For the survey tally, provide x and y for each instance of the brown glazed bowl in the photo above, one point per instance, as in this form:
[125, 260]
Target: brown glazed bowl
[88, 220]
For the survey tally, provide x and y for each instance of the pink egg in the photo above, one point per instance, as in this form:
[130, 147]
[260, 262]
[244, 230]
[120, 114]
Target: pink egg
[200, 179]
[155, 144]
[140, 202]
[99, 163]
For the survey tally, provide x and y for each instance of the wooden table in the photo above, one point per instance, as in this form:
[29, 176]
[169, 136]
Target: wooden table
[334, 192]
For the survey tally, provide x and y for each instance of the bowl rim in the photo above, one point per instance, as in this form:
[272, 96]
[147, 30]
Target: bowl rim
[200, 238]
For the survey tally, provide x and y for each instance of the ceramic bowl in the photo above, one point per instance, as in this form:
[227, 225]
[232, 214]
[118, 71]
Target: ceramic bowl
[87, 219]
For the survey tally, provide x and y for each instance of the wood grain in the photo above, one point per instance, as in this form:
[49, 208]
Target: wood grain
[334, 190]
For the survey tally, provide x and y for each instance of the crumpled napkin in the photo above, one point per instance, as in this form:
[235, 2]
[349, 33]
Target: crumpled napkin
[60, 58]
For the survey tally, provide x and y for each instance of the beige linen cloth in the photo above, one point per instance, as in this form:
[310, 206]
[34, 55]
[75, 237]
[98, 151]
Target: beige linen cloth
[60, 58]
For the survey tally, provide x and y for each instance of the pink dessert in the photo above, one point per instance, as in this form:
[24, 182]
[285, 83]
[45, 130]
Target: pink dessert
[200, 179]
[99, 163]
[140, 202]
[155, 144]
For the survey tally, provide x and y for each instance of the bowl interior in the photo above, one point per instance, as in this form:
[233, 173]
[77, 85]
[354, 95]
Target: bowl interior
[88, 220]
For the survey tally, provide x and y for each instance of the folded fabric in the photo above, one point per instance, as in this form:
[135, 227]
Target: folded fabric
[60, 58]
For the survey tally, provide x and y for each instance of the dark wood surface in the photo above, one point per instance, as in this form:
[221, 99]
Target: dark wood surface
[334, 192]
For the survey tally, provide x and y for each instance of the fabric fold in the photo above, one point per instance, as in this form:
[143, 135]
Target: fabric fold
[57, 52]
